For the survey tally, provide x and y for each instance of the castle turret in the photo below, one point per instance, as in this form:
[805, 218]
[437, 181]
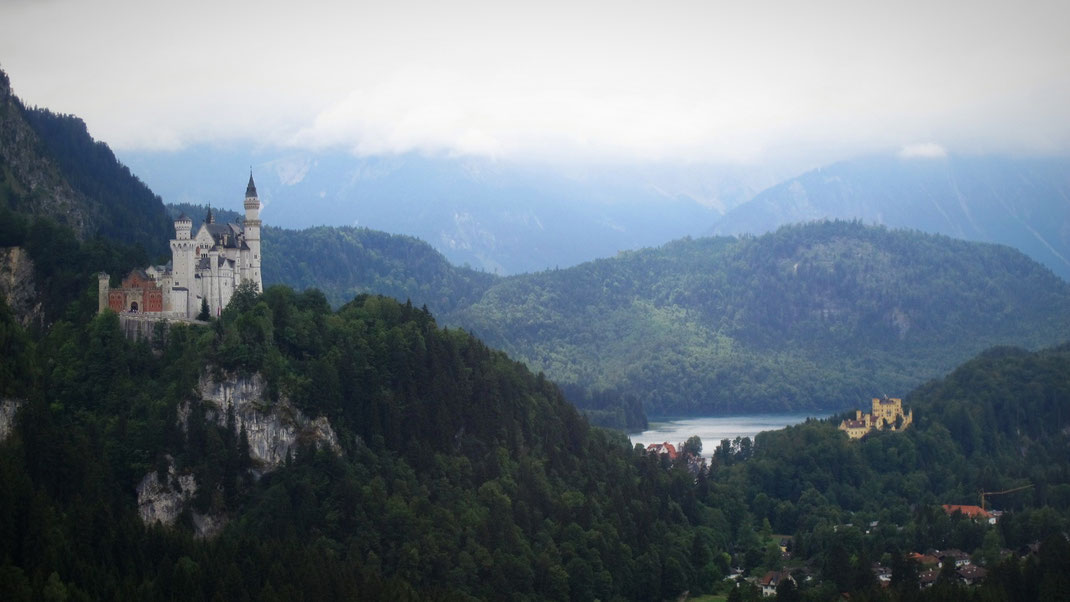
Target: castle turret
[103, 288]
[250, 267]
[182, 265]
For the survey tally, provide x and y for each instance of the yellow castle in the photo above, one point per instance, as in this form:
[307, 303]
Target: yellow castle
[887, 414]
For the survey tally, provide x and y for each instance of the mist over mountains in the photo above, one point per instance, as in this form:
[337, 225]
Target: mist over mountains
[1020, 202]
[497, 216]
[509, 218]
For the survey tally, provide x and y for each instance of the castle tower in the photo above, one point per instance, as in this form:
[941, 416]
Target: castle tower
[182, 265]
[103, 288]
[250, 268]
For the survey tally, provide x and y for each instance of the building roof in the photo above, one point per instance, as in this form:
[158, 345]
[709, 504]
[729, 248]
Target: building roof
[772, 578]
[970, 511]
[250, 190]
[972, 572]
[923, 559]
[663, 448]
[224, 235]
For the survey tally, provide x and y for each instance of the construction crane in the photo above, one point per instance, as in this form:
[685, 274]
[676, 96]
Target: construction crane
[991, 493]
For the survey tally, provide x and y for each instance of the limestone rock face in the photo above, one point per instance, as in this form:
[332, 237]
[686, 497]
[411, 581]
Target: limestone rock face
[273, 429]
[160, 502]
[8, 409]
[17, 286]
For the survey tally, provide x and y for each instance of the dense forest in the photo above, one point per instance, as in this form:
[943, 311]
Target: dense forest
[811, 316]
[462, 473]
[345, 262]
[815, 316]
[998, 422]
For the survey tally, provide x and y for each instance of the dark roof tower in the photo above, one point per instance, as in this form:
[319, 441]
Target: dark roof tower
[209, 219]
[250, 190]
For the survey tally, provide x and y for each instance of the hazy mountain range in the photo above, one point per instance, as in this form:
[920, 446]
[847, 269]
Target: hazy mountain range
[498, 216]
[1021, 202]
[510, 218]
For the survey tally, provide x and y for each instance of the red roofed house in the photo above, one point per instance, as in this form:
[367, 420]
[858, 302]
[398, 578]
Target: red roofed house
[974, 512]
[662, 448]
[924, 559]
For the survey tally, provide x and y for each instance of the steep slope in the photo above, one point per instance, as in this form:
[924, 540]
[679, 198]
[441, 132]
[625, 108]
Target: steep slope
[51, 167]
[461, 474]
[68, 209]
[1020, 202]
[813, 316]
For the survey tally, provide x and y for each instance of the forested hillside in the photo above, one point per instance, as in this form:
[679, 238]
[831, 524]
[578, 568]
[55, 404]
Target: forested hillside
[71, 206]
[462, 473]
[998, 422]
[344, 262]
[50, 167]
[811, 316]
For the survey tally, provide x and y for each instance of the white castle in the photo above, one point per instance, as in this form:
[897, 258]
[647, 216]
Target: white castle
[204, 269]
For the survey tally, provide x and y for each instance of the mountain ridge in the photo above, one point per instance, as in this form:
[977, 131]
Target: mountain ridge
[1021, 202]
[807, 317]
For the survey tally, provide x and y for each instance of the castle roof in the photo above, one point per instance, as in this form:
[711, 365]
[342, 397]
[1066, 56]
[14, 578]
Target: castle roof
[250, 190]
[182, 217]
[225, 235]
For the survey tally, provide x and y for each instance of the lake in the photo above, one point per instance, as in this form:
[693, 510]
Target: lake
[713, 429]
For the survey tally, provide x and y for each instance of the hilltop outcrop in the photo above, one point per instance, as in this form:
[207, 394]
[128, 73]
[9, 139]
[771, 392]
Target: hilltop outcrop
[274, 430]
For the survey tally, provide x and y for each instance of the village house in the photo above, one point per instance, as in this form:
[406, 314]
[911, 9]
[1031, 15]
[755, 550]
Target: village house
[665, 448]
[975, 512]
[771, 580]
[927, 579]
[971, 574]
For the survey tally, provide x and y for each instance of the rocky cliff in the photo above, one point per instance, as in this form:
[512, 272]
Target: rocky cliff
[32, 180]
[274, 430]
[8, 409]
[162, 500]
[17, 286]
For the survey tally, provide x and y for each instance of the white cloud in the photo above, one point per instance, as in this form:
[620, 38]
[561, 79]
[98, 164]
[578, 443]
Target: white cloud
[925, 150]
[689, 80]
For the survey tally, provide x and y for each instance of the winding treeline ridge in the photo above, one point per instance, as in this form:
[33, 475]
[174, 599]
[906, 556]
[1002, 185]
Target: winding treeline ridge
[812, 316]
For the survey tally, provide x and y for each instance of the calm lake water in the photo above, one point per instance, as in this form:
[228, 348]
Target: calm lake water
[715, 428]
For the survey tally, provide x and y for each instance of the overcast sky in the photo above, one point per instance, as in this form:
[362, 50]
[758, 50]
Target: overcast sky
[658, 80]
